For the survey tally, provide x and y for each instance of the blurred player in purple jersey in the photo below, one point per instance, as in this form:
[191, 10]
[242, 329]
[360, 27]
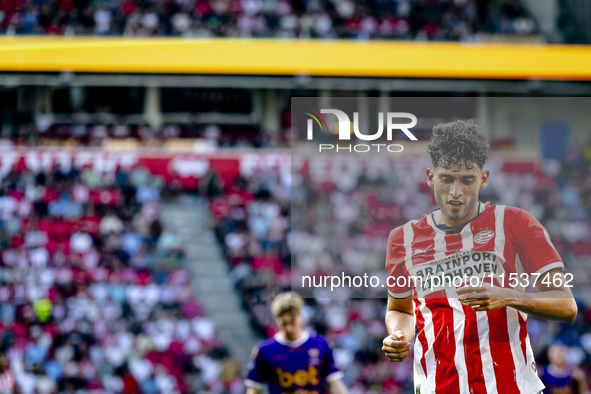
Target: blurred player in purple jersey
[293, 361]
[560, 378]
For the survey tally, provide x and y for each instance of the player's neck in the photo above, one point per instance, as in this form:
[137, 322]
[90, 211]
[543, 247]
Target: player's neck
[440, 218]
[297, 336]
[556, 370]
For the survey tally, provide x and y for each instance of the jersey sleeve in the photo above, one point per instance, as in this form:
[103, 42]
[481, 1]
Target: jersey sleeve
[395, 265]
[329, 370]
[257, 370]
[533, 244]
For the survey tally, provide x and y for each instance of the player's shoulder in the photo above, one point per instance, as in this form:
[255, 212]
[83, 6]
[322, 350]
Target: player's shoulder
[397, 234]
[513, 211]
[516, 216]
[509, 213]
[264, 347]
[318, 341]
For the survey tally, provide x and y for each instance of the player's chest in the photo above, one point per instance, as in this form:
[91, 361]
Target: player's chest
[431, 247]
[294, 359]
[297, 367]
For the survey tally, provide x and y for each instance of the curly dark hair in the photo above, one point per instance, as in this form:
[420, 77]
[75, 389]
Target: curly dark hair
[456, 143]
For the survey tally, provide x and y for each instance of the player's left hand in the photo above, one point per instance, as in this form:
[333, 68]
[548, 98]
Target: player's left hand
[485, 297]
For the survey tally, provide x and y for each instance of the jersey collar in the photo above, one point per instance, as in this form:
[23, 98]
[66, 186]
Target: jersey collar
[558, 373]
[431, 219]
[297, 343]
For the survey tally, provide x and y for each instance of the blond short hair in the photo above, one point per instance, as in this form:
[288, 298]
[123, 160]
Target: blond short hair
[288, 302]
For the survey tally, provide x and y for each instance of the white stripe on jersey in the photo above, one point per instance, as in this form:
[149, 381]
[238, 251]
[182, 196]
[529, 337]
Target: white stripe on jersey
[531, 380]
[439, 247]
[460, 357]
[500, 235]
[524, 377]
[467, 237]
[513, 327]
[490, 379]
[439, 240]
[488, 370]
[430, 360]
[409, 236]
[419, 373]
[460, 320]
[519, 270]
[400, 295]
[482, 324]
[500, 230]
[550, 267]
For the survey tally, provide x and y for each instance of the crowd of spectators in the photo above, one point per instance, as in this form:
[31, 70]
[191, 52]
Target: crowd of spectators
[94, 296]
[96, 135]
[326, 19]
[340, 221]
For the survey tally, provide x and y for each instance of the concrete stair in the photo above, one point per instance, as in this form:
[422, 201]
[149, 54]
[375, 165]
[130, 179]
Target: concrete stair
[188, 217]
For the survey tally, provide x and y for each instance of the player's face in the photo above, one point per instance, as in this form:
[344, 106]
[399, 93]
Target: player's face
[291, 325]
[456, 192]
[557, 356]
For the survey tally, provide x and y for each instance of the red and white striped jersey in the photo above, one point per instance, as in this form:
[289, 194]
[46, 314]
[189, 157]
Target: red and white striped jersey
[458, 350]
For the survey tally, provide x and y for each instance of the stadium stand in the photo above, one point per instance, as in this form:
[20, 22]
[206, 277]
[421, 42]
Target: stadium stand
[94, 294]
[404, 19]
[139, 135]
[342, 223]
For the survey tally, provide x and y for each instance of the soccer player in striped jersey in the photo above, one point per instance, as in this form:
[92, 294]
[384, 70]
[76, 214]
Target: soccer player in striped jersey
[471, 336]
[293, 361]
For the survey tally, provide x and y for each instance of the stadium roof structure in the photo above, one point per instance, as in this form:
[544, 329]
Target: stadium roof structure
[333, 58]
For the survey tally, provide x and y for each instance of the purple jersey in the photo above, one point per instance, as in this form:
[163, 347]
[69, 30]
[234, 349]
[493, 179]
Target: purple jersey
[558, 381]
[302, 366]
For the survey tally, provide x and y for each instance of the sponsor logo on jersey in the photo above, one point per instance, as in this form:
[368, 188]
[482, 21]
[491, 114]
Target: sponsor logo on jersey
[301, 377]
[314, 353]
[484, 236]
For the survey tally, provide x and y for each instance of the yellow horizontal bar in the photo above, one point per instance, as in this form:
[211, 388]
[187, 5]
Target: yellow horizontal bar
[290, 57]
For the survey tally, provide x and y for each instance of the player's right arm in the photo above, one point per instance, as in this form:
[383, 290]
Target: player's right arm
[336, 387]
[400, 320]
[253, 390]
[257, 372]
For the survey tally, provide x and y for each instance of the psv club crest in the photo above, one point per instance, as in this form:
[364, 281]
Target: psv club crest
[484, 236]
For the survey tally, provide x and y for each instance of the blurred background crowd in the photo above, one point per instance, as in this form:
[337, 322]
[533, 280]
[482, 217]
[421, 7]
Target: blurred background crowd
[94, 292]
[401, 19]
[103, 131]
